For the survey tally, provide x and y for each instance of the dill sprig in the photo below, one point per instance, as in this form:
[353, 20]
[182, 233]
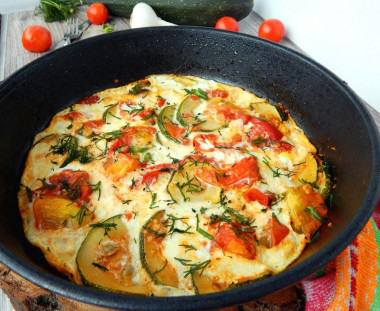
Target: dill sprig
[107, 226]
[170, 223]
[57, 10]
[69, 145]
[193, 266]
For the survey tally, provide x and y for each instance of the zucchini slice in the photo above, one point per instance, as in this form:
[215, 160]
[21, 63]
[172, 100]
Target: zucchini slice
[158, 267]
[306, 208]
[186, 81]
[164, 118]
[104, 259]
[185, 187]
[204, 284]
[307, 171]
[266, 110]
[187, 117]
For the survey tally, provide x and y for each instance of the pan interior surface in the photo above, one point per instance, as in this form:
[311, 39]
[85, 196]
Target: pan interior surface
[323, 106]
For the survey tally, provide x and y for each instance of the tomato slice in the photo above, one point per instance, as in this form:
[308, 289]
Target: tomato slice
[89, 100]
[262, 129]
[136, 136]
[177, 132]
[217, 93]
[243, 173]
[151, 177]
[273, 233]
[89, 126]
[118, 166]
[161, 102]
[52, 213]
[282, 146]
[254, 194]
[69, 184]
[228, 112]
[231, 238]
[72, 115]
[147, 114]
[205, 142]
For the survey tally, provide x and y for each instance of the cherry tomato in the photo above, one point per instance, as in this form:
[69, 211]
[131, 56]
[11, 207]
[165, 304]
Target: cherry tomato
[272, 29]
[36, 39]
[97, 13]
[227, 23]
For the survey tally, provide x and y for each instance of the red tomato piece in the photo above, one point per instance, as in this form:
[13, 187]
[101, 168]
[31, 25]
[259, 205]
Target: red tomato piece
[36, 39]
[282, 146]
[137, 136]
[120, 165]
[97, 13]
[229, 112]
[272, 29]
[150, 178]
[147, 114]
[256, 195]
[128, 215]
[202, 142]
[94, 124]
[227, 23]
[72, 115]
[262, 129]
[177, 132]
[232, 239]
[273, 233]
[194, 97]
[89, 100]
[243, 173]
[161, 102]
[69, 184]
[217, 93]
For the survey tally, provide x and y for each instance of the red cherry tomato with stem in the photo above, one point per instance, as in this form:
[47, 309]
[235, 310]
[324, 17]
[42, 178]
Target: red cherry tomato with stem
[272, 29]
[97, 13]
[36, 39]
[227, 23]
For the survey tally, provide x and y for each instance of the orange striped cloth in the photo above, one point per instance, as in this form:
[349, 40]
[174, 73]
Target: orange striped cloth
[351, 281]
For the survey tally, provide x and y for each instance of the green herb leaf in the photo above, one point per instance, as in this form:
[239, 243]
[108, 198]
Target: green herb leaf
[106, 225]
[193, 266]
[203, 232]
[107, 28]
[57, 10]
[312, 211]
[198, 92]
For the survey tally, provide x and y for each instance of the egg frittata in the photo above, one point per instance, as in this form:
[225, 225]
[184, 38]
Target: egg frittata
[172, 185]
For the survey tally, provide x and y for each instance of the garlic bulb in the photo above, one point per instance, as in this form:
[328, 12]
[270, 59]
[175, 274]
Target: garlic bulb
[144, 16]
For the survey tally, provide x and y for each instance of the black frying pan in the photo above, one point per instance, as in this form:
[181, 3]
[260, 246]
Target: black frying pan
[329, 112]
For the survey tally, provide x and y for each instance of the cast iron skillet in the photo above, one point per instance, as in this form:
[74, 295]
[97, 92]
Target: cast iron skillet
[329, 112]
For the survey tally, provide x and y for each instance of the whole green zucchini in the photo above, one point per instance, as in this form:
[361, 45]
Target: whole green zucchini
[184, 12]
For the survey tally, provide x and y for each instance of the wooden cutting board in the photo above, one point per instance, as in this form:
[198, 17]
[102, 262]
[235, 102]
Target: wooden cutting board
[13, 56]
